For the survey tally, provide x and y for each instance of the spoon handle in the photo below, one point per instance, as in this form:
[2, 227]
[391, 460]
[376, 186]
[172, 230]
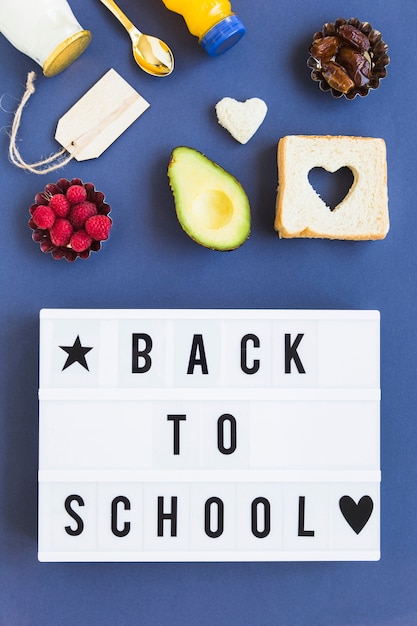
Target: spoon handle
[118, 13]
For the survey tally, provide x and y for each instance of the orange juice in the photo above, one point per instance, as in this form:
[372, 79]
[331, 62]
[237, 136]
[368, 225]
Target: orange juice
[212, 21]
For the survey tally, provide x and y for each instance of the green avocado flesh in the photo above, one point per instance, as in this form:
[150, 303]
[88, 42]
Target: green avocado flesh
[211, 205]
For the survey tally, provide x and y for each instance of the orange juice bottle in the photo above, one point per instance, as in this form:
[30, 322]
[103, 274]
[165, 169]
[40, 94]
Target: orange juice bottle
[212, 21]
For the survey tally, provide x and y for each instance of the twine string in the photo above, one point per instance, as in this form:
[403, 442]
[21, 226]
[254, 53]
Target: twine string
[51, 163]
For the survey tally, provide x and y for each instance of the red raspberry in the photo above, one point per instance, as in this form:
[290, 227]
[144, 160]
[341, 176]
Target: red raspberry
[60, 205]
[76, 193]
[61, 232]
[80, 241]
[80, 213]
[43, 216]
[98, 227]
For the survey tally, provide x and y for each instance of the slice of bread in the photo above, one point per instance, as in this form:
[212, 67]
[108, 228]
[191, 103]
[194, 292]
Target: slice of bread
[362, 214]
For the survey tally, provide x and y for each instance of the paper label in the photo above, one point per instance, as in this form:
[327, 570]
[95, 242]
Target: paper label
[99, 117]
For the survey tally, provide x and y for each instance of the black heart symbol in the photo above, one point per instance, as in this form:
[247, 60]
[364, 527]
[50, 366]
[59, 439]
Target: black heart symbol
[332, 187]
[356, 515]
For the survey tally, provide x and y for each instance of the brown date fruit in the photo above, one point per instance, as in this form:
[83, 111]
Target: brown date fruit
[354, 37]
[337, 77]
[356, 65]
[325, 48]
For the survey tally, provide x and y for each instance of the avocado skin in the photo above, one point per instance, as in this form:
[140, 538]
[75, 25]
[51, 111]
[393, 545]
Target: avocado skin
[211, 204]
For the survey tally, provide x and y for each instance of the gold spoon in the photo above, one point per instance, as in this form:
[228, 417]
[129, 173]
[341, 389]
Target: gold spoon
[150, 53]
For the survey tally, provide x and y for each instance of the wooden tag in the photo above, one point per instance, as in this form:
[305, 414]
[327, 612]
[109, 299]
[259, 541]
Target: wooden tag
[99, 117]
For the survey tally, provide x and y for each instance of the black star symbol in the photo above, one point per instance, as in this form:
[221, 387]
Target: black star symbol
[76, 354]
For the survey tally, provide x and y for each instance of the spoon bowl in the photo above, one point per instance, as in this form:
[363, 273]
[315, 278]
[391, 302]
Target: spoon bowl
[150, 53]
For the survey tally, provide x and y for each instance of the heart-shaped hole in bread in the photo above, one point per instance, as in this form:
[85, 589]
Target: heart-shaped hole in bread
[332, 187]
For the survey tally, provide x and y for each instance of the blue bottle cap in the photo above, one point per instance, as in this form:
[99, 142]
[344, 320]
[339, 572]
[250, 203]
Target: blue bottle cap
[223, 35]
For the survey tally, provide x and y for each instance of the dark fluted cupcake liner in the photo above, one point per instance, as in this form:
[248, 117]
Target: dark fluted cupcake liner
[378, 58]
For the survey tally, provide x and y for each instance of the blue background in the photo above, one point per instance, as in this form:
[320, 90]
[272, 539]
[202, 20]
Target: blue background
[150, 262]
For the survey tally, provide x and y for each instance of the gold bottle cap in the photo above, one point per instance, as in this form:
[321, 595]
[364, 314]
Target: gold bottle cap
[66, 53]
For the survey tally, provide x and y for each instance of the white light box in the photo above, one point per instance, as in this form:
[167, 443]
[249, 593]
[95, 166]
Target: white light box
[209, 435]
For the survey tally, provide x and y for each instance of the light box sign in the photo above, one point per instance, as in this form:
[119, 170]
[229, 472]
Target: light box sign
[209, 435]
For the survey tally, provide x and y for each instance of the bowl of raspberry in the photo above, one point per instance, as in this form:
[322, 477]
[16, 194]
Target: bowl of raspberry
[70, 219]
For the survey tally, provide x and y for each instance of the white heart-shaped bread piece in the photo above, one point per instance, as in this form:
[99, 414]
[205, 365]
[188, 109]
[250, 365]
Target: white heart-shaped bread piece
[241, 119]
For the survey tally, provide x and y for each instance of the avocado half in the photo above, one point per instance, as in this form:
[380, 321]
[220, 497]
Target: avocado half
[211, 205]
